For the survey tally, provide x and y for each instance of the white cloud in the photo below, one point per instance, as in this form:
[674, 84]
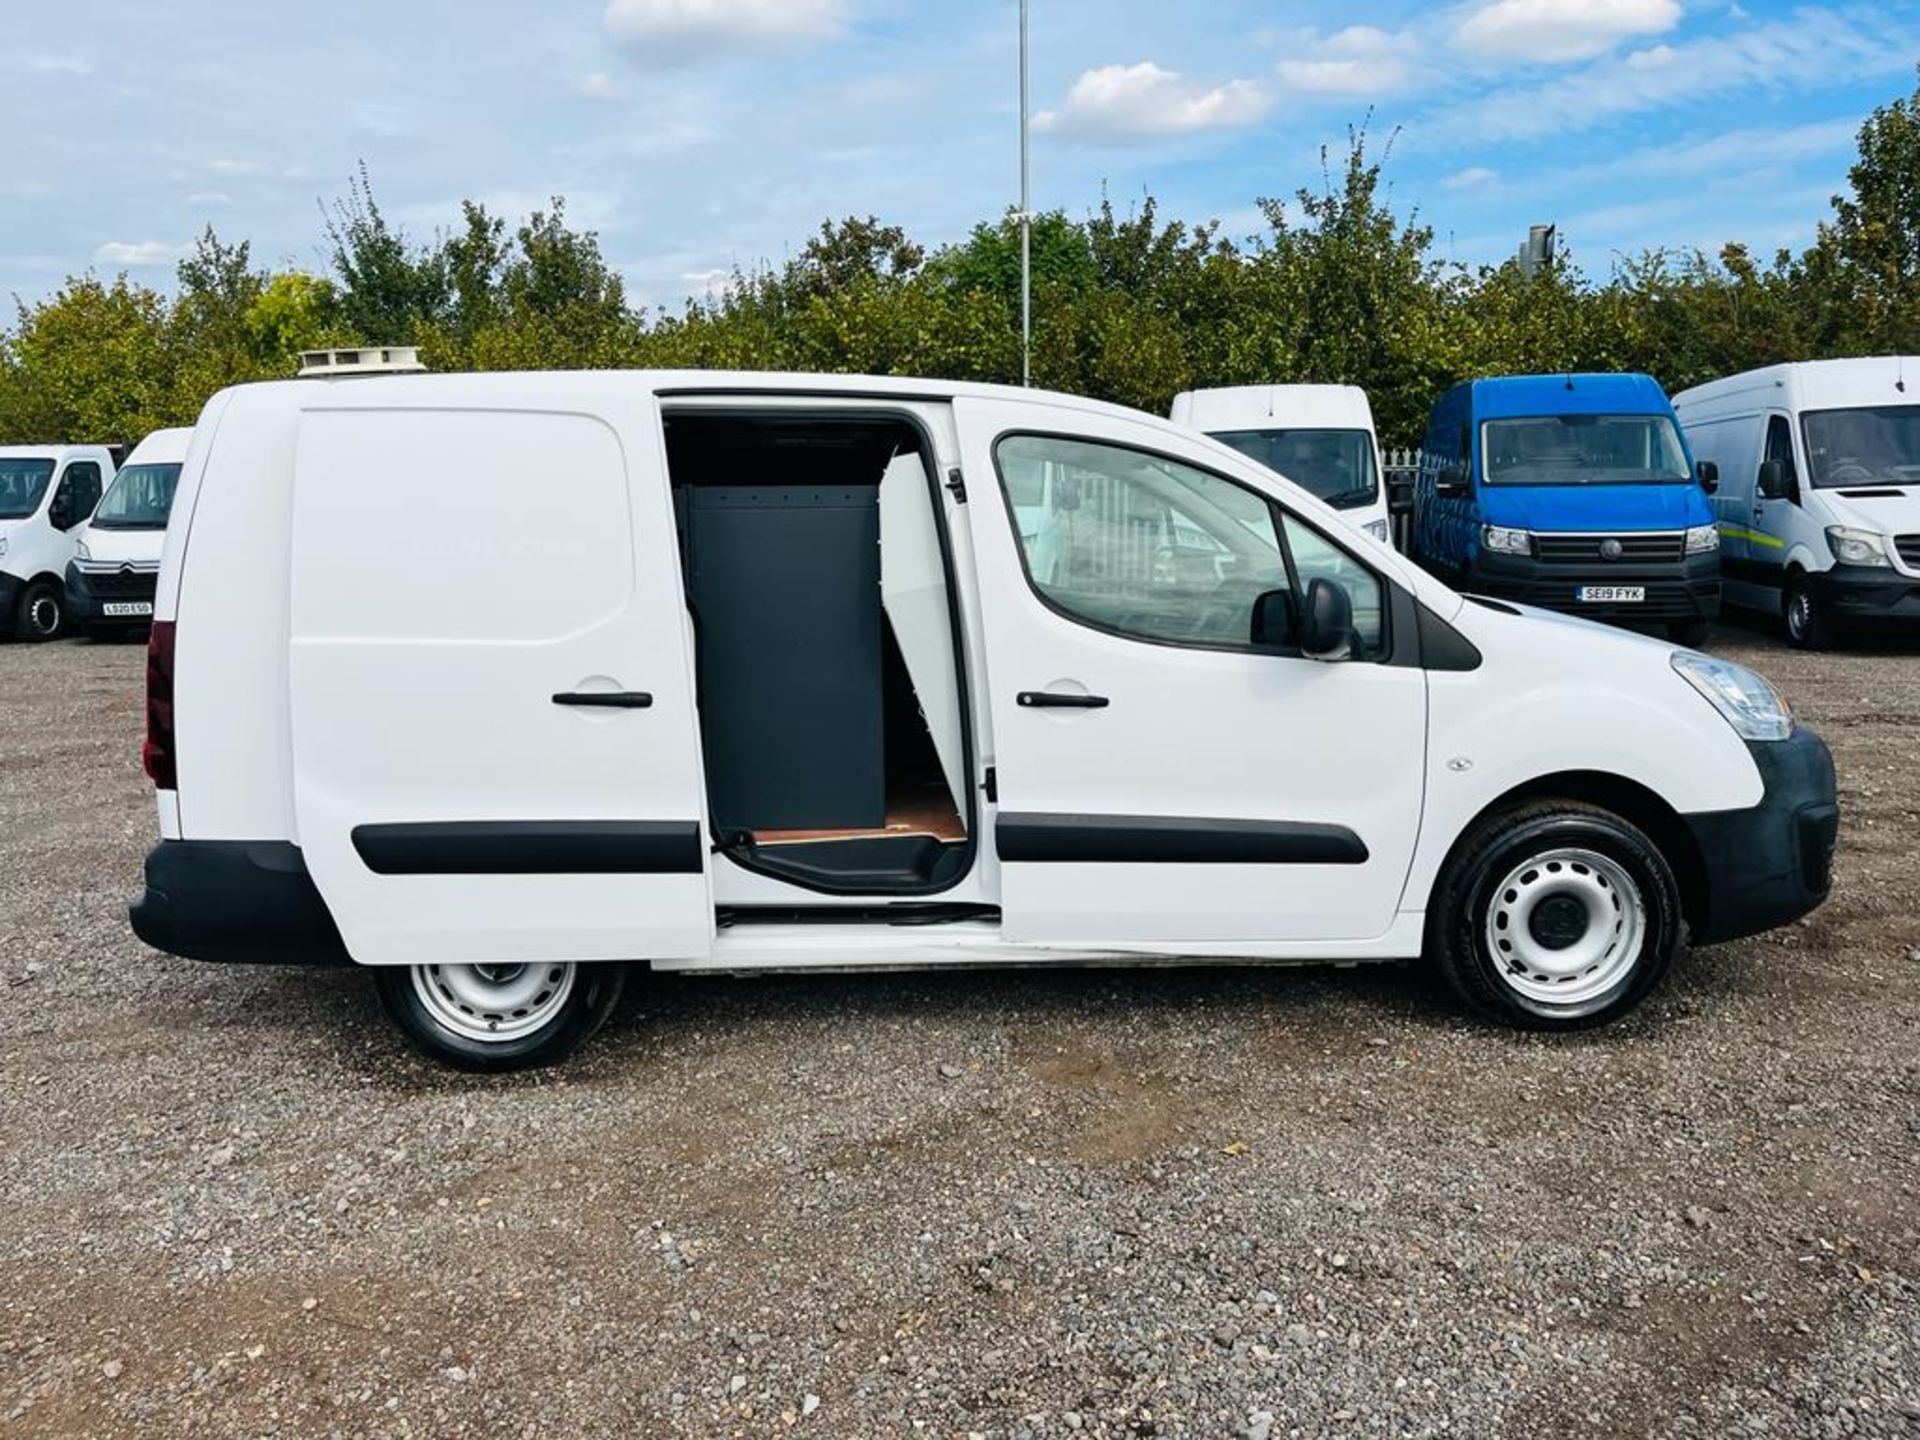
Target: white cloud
[1559, 31]
[1810, 49]
[138, 253]
[237, 167]
[671, 32]
[209, 197]
[59, 65]
[1141, 101]
[596, 85]
[1474, 177]
[1359, 60]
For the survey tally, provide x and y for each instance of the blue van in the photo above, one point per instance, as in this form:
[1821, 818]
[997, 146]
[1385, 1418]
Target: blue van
[1572, 492]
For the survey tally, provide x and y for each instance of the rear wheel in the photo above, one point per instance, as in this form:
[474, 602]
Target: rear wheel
[1809, 627]
[499, 1017]
[1555, 916]
[42, 614]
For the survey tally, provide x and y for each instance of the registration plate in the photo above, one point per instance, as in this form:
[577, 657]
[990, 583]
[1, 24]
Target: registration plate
[1611, 594]
[117, 608]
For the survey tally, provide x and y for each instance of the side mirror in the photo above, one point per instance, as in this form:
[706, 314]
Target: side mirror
[1273, 618]
[1709, 474]
[1451, 483]
[1774, 484]
[1400, 495]
[1326, 633]
[60, 513]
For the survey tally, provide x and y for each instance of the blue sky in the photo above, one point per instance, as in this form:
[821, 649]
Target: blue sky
[696, 135]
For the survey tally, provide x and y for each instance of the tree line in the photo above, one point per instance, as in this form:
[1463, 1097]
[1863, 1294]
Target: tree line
[1127, 306]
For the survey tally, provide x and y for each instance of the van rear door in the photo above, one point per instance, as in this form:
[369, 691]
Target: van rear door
[494, 744]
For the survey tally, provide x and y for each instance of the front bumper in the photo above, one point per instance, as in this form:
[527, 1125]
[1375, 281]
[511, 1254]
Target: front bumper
[1867, 595]
[1771, 864]
[1680, 590]
[90, 587]
[10, 586]
[235, 900]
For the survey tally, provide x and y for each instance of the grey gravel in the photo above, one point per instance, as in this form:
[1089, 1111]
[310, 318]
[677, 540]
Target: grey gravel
[1184, 1203]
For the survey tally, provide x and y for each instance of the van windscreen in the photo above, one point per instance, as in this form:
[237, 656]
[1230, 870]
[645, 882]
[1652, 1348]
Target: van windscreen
[22, 483]
[138, 499]
[1875, 445]
[1333, 465]
[1583, 450]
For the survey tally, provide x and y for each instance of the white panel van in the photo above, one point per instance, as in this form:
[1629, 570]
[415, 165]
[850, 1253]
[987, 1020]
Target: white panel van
[740, 672]
[1819, 494]
[46, 493]
[116, 554]
[1319, 436]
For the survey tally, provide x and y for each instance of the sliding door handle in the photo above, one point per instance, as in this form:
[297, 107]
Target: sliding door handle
[606, 699]
[1057, 700]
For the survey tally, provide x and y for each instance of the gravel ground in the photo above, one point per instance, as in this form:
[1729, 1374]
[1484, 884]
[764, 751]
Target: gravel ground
[1199, 1202]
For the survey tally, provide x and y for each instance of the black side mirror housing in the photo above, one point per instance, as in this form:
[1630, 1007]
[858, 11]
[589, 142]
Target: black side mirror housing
[1452, 483]
[60, 515]
[1773, 483]
[1274, 618]
[1400, 496]
[1326, 631]
[1709, 474]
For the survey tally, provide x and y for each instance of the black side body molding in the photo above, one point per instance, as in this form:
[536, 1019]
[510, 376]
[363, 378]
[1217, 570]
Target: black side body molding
[1166, 840]
[235, 901]
[533, 847]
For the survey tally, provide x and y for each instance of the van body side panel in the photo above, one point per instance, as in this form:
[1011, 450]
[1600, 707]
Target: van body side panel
[232, 512]
[454, 801]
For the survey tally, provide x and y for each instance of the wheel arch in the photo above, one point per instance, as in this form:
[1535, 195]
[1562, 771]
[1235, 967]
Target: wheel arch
[1640, 806]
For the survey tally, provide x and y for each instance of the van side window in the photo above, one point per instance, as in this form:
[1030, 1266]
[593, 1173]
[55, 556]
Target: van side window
[1780, 446]
[79, 492]
[1315, 557]
[1140, 544]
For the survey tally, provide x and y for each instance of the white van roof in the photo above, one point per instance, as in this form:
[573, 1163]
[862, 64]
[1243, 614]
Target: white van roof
[1811, 385]
[1274, 407]
[55, 453]
[162, 447]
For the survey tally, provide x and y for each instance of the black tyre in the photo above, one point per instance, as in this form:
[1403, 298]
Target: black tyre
[499, 1017]
[1690, 633]
[42, 614]
[1555, 916]
[1809, 626]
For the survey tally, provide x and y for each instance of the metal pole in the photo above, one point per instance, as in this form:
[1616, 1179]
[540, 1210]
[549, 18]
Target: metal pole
[1026, 221]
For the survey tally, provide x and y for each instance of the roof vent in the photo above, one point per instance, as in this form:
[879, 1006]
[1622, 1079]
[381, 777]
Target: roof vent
[371, 360]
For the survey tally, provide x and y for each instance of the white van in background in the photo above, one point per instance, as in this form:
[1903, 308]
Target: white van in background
[46, 493]
[116, 554]
[1318, 436]
[815, 696]
[1819, 494]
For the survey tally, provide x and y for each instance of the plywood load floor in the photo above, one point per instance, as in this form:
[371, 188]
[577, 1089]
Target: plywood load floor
[922, 810]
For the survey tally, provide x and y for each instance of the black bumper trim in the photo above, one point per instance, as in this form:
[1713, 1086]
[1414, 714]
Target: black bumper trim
[235, 901]
[533, 847]
[1865, 594]
[1163, 840]
[1773, 863]
[1686, 589]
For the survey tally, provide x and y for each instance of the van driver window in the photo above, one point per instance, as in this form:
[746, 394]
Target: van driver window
[1138, 543]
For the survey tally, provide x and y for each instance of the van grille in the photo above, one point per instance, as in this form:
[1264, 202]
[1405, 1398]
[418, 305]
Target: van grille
[1585, 549]
[1909, 548]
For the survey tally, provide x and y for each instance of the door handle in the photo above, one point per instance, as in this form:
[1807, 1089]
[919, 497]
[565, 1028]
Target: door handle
[1055, 700]
[606, 699]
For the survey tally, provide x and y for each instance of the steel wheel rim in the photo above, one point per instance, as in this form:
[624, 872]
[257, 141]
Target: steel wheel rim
[43, 614]
[494, 1004]
[1799, 613]
[1547, 956]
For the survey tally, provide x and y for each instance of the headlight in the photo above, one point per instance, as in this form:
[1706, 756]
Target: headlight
[1856, 547]
[1745, 701]
[1377, 529]
[80, 550]
[1702, 538]
[1507, 542]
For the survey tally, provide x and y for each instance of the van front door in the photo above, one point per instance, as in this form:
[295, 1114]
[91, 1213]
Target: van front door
[495, 756]
[1160, 778]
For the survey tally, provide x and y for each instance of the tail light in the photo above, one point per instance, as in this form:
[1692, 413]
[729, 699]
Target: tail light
[157, 753]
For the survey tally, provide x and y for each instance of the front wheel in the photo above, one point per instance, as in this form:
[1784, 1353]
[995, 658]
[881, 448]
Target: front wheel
[1809, 627]
[499, 1017]
[1555, 916]
[42, 614]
